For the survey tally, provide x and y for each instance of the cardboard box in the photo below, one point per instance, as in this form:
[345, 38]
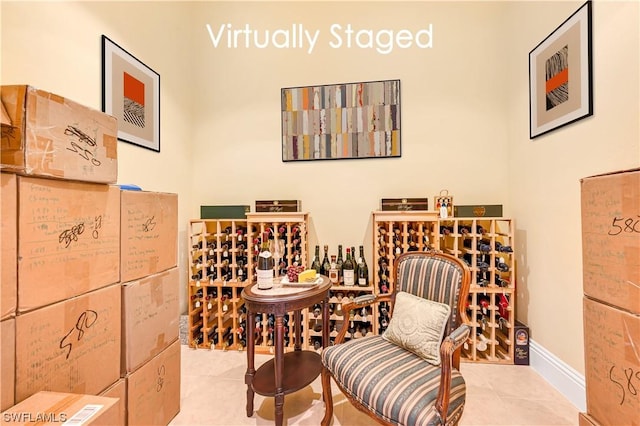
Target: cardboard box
[9, 245]
[118, 390]
[151, 317]
[521, 348]
[489, 210]
[149, 224]
[4, 116]
[611, 238]
[586, 420]
[7, 363]
[70, 346]
[611, 339]
[53, 136]
[279, 206]
[69, 239]
[153, 391]
[224, 212]
[404, 204]
[54, 408]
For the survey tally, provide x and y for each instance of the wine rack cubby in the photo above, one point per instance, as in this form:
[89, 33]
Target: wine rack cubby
[486, 244]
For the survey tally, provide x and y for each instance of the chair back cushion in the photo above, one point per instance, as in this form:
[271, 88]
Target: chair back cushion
[431, 276]
[417, 325]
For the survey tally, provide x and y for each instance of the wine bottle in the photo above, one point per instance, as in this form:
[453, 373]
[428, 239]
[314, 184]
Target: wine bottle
[348, 272]
[264, 269]
[316, 261]
[363, 270]
[355, 262]
[501, 265]
[481, 246]
[446, 230]
[499, 246]
[240, 232]
[339, 263]
[326, 265]
[333, 271]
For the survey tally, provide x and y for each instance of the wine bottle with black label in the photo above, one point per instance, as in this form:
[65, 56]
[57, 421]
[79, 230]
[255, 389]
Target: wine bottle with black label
[339, 263]
[316, 261]
[326, 264]
[363, 270]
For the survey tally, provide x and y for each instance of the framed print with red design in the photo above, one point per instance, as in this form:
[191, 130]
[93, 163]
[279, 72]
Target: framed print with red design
[560, 76]
[131, 93]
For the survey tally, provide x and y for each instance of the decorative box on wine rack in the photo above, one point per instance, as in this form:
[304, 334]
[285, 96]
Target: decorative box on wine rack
[403, 204]
[443, 204]
[275, 206]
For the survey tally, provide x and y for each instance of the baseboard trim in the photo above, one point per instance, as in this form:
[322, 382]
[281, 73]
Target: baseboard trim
[560, 375]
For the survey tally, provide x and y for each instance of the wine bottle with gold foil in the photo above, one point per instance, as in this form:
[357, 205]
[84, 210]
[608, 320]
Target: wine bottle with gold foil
[264, 269]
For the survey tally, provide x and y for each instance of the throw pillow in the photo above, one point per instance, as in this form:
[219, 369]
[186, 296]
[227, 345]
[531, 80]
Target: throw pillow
[417, 325]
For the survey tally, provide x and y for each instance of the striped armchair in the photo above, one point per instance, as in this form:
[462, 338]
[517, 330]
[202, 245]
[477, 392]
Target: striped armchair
[393, 385]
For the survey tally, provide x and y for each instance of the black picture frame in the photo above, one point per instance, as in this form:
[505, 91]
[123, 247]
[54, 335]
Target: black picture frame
[561, 76]
[131, 93]
[341, 121]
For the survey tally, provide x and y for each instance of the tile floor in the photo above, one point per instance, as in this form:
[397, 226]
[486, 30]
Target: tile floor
[213, 393]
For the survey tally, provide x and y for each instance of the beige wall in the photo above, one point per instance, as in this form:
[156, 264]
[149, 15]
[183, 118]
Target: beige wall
[544, 173]
[55, 46]
[464, 117]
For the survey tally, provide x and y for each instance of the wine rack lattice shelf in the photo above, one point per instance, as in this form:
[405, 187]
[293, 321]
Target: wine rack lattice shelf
[485, 244]
[223, 255]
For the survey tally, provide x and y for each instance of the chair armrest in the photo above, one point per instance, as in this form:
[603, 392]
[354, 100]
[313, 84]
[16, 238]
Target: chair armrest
[448, 348]
[357, 303]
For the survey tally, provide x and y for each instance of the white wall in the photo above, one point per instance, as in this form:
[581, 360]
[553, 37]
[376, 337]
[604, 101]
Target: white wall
[464, 118]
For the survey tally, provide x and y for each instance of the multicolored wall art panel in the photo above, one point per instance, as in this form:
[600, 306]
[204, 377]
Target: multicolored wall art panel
[339, 121]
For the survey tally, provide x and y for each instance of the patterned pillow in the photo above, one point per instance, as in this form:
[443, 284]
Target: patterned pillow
[417, 325]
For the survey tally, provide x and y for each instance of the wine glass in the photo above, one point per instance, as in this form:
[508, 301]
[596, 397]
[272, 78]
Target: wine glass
[276, 247]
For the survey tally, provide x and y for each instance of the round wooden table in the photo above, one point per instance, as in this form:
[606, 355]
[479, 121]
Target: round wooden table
[291, 371]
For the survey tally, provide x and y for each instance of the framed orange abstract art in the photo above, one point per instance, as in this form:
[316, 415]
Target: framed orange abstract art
[131, 93]
[560, 75]
[341, 121]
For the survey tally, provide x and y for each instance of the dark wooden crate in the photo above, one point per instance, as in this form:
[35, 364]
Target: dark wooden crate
[491, 210]
[271, 206]
[404, 204]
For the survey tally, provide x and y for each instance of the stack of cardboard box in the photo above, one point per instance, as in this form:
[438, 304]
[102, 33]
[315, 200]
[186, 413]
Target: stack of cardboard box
[63, 314]
[150, 322]
[611, 281]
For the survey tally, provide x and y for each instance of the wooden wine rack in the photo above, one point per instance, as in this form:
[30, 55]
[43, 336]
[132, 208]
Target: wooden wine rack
[215, 321]
[216, 279]
[491, 304]
[294, 225]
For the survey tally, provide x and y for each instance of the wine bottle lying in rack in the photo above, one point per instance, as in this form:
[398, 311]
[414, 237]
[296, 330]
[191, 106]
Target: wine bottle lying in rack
[482, 343]
[480, 246]
[501, 265]
[499, 246]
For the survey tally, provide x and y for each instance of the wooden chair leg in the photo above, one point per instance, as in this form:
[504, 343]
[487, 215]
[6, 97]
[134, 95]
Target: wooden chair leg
[327, 397]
